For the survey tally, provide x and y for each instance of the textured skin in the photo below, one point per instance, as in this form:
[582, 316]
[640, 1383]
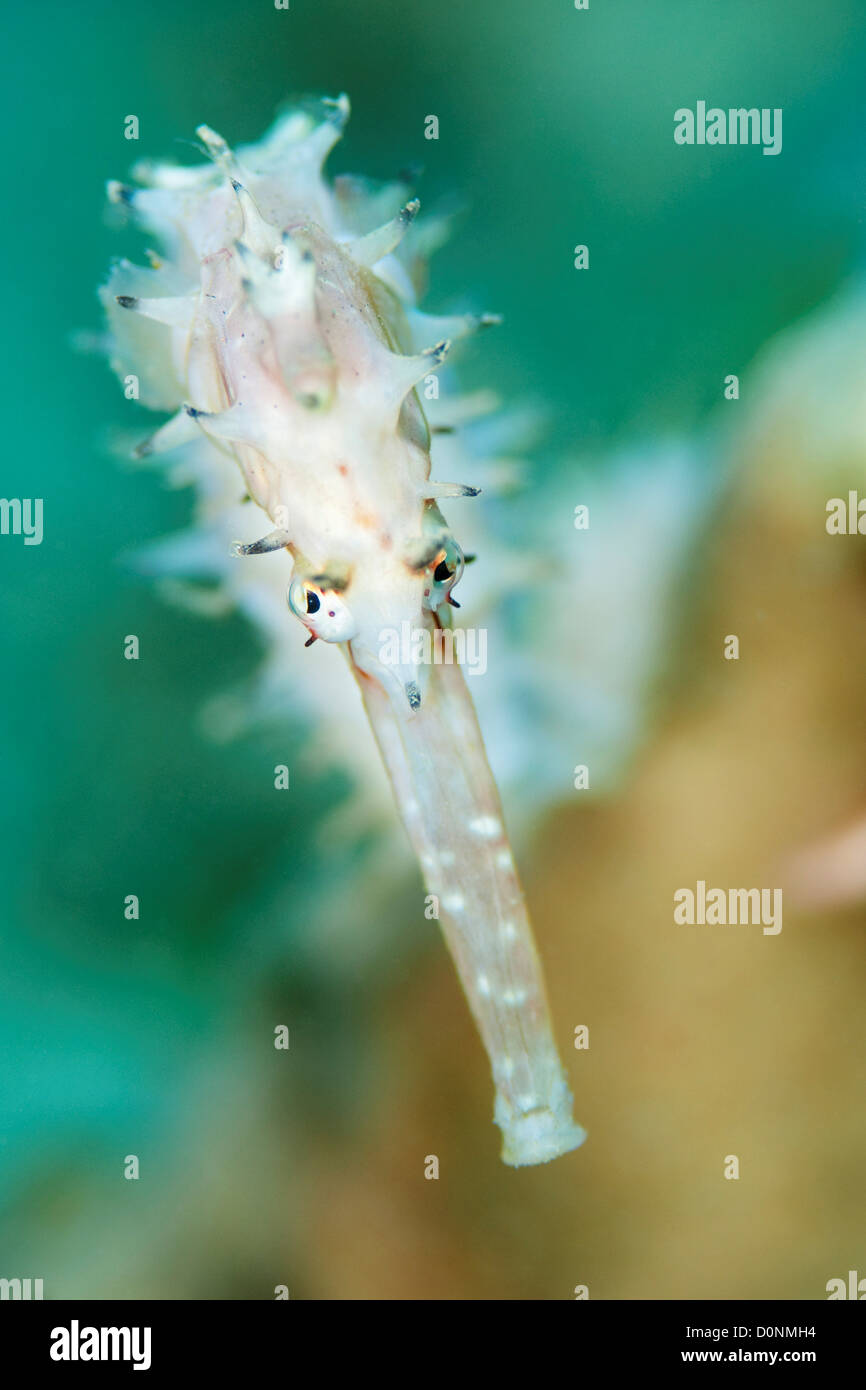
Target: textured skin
[279, 325]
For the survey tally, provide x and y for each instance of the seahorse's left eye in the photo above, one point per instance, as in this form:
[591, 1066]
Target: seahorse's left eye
[443, 573]
[322, 610]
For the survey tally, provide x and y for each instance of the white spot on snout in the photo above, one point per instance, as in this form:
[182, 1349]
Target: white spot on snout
[482, 984]
[504, 859]
[454, 902]
[485, 827]
[514, 997]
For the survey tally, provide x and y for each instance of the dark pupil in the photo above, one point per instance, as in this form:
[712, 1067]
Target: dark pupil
[313, 602]
[442, 573]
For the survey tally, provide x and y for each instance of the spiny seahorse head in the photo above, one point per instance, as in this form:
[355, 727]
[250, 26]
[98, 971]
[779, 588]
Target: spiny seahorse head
[381, 605]
[293, 333]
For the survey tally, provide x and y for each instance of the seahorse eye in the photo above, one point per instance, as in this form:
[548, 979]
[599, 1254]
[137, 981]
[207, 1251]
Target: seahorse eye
[446, 569]
[322, 609]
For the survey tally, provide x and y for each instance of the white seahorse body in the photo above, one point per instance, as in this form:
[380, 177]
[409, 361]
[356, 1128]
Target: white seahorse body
[267, 330]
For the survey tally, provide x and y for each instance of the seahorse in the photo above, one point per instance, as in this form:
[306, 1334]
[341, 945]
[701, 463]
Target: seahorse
[282, 333]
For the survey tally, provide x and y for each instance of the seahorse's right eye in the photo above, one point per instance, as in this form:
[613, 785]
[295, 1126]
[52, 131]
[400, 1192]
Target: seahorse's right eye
[322, 609]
